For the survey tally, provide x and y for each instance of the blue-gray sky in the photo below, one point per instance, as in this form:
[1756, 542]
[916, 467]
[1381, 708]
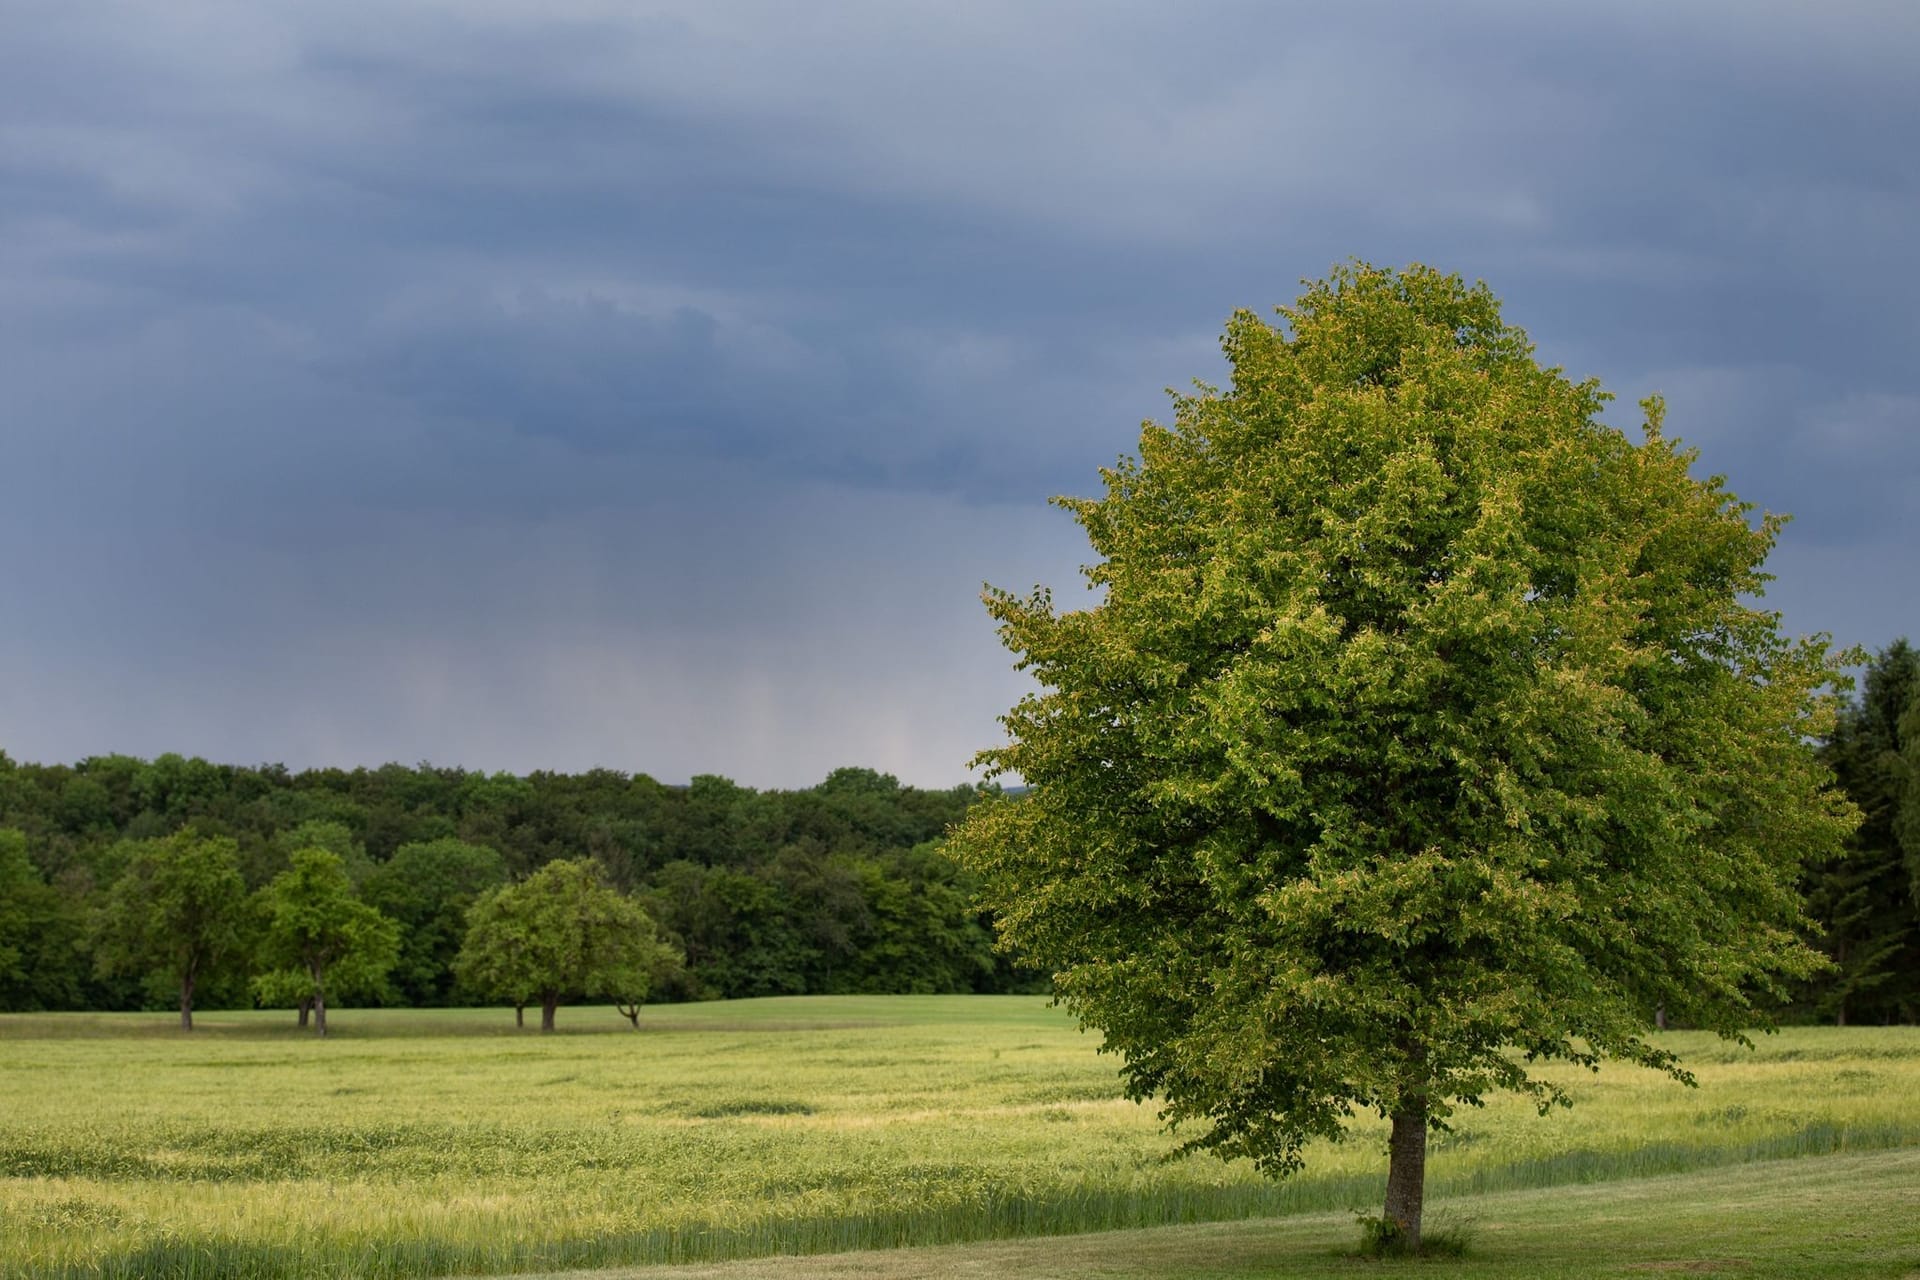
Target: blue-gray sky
[597, 382]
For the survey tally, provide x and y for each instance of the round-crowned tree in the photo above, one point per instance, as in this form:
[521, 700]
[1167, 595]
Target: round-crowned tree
[1424, 727]
[560, 934]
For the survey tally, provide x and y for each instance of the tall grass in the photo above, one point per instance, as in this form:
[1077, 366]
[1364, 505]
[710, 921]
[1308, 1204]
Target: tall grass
[433, 1144]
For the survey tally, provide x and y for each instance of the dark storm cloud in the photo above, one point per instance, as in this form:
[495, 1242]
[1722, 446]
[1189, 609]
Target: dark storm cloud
[583, 382]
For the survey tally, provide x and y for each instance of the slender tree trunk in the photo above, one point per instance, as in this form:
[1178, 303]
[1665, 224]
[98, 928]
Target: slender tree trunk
[548, 1003]
[319, 1008]
[1407, 1170]
[186, 1002]
[519, 1015]
[306, 1008]
[318, 973]
[631, 1012]
[1660, 1018]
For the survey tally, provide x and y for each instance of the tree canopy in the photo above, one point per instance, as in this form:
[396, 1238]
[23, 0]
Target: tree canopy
[40, 933]
[767, 892]
[1868, 896]
[560, 934]
[1422, 717]
[427, 888]
[319, 938]
[176, 915]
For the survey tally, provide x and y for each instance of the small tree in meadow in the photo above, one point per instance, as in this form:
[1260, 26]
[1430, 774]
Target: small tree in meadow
[559, 935]
[320, 939]
[655, 964]
[176, 916]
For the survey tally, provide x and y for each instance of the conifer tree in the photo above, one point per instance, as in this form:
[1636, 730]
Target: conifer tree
[1868, 896]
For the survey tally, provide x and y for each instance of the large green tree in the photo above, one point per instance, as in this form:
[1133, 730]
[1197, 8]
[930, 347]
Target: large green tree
[1424, 729]
[319, 938]
[560, 934]
[176, 915]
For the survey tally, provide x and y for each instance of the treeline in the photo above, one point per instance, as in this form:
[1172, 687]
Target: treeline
[836, 888]
[840, 887]
[1867, 902]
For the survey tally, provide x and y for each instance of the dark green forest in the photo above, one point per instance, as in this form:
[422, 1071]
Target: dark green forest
[1867, 902]
[837, 888]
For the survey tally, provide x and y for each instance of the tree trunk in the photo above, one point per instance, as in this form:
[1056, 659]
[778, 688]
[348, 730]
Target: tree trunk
[186, 1003]
[1660, 1018]
[631, 1012]
[306, 1008]
[1407, 1170]
[548, 1003]
[318, 973]
[519, 1015]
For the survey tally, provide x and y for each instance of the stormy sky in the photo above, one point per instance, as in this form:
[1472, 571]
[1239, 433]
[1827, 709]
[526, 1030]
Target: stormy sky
[654, 385]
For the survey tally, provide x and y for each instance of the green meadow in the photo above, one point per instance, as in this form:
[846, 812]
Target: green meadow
[1842, 1217]
[448, 1143]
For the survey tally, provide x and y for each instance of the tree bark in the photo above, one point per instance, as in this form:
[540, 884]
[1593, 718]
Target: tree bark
[548, 1003]
[519, 1015]
[1407, 1170]
[1660, 1018]
[186, 1003]
[306, 1008]
[317, 972]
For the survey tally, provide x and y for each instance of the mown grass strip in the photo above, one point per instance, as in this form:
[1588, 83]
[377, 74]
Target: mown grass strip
[1819, 1218]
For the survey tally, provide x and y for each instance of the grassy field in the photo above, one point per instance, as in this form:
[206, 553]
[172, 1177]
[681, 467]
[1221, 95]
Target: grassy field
[1821, 1218]
[441, 1143]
